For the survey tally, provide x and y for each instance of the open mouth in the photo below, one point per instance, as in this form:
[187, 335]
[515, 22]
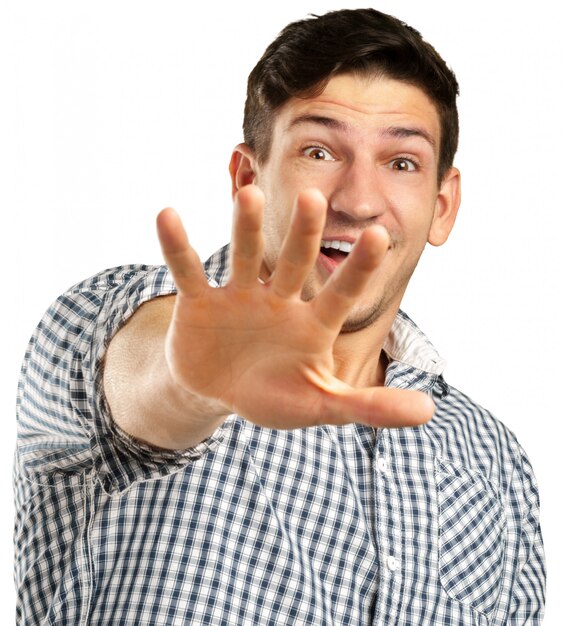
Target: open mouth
[336, 249]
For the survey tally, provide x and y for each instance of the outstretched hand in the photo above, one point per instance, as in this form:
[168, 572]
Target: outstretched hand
[259, 349]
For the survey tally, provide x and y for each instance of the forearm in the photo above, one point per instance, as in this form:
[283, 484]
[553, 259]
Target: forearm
[144, 399]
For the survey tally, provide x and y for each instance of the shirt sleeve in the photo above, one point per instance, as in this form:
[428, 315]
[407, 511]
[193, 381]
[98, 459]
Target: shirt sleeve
[64, 423]
[528, 596]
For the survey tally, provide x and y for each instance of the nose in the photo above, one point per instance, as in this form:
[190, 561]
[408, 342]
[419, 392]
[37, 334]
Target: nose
[358, 193]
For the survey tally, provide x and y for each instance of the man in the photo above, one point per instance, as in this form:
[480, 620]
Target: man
[215, 446]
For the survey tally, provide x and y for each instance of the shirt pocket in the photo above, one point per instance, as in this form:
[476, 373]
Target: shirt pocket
[471, 535]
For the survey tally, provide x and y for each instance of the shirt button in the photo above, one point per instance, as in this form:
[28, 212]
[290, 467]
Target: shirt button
[391, 563]
[381, 464]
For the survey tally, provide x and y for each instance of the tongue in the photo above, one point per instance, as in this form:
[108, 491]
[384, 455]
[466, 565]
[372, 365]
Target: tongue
[337, 255]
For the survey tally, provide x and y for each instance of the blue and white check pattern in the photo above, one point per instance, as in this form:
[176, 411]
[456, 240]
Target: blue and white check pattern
[436, 525]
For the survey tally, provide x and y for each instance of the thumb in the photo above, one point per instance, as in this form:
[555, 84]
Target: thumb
[379, 407]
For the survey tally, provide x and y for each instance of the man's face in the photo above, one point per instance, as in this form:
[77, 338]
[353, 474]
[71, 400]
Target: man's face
[371, 147]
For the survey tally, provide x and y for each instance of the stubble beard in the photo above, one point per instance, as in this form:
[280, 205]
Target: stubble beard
[363, 319]
[359, 319]
[369, 313]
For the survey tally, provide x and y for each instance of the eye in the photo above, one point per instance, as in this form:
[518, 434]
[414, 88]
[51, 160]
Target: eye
[403, 165]
[318, 153]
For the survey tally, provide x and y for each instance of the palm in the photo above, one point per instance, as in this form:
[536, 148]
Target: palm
[258, 348]
[261, 362]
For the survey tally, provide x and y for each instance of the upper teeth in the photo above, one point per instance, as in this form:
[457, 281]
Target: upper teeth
[344, 246]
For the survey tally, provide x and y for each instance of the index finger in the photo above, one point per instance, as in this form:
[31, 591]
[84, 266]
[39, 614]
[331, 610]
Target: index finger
[180, 257]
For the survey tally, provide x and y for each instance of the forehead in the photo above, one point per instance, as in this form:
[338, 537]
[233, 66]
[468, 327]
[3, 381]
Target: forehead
[364, 104]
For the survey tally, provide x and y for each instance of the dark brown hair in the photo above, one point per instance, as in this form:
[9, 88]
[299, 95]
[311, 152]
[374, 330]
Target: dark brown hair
[307, 53]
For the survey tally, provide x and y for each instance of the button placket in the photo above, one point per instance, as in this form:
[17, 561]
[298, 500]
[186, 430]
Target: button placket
[388, 530]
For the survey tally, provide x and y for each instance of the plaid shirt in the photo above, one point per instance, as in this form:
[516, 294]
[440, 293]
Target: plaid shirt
[435, 525]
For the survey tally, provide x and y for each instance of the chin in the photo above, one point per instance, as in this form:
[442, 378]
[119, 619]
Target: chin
[361, 316]
[358, 320]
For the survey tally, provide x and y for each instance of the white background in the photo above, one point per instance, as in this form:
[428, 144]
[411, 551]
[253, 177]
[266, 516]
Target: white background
[110, 111]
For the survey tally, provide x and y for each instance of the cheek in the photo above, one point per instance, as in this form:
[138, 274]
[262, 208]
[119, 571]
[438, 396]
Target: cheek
[275, 227]
[410, 219]
[276, 216]
[279, 208]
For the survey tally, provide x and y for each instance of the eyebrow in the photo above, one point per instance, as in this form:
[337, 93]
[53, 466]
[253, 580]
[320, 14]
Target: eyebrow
[392, 131]
[409, 131]
[328, 122]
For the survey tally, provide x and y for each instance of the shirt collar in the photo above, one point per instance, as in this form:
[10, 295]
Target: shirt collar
[407, 344]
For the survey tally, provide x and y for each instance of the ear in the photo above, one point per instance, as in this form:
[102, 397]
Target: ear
[242, 167]
[446, 208]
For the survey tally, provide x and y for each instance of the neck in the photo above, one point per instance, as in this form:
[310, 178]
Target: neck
[358, 356]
